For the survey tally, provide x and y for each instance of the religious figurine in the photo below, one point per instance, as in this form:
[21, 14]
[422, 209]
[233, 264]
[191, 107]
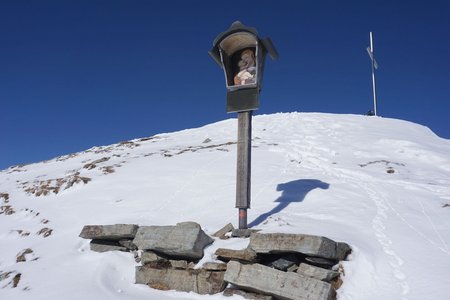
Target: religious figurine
[247, 68]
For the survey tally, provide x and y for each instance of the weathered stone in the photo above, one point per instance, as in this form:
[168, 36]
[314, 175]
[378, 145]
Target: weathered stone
[283, 285]
[185, 240]
[343, 250]
[317, 273]
[246, 255]
[298, 243]
[228, 292]
[292, 268]
[179, 264]
[321, 262]
[198, 281]
[284, 262]
[221, 233]
[241, 233]
[128, 244]
[148, 256]
[109, 232]
[104, 246]
[212, 266]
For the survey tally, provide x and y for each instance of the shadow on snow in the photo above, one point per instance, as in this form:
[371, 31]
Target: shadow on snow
[293, 191]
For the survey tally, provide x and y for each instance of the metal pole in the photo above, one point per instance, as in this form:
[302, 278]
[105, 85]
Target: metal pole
[243, 177]
[373, 77]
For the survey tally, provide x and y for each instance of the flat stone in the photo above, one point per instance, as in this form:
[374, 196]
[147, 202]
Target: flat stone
[297, 243]
[321, 262]
[179, 264]
[104, 246]
[317, 273]
[282, 285]
[109, 232]
[241, 233]
[148, 257]
[221, 233]
[228, 292]
[198, 281]
[246, 255]
[212, 266]
[284, 263]
[292, 268]
[185, 240]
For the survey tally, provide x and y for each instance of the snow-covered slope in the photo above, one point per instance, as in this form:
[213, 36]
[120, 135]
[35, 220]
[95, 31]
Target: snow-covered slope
[381, 185]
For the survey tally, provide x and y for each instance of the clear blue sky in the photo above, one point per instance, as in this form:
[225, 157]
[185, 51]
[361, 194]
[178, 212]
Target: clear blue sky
[76, 74]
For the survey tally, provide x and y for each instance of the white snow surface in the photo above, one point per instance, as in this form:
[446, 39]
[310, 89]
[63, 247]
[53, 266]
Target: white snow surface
[312, 173]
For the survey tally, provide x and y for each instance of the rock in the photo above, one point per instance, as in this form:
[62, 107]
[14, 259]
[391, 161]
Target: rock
[228, 292]
[198, 281]
[185, 240]
[241, 233]
[104, 246]
[246, 255]
[179, 264]
[109, 232]
[283, 285]
[343, 250]
[221, 233]
[128, 244]
[317, 273]
[298, 243]
[284, 263]
[321, 262]
[148, 256]
[212, 266]
[292, 268]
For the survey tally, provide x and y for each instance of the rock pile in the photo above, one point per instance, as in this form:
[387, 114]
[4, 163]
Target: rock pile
[275, 265]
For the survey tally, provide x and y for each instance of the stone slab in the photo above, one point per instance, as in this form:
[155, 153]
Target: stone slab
[246, 255]
[297, 243]
[148, 257]
[198, 281]
[284, 263]
[317, 273]
[281, 285]
[221, 232]
[228, 292]
[179, 264]
[105, 246]
[185, 240]
[109, 232]
[212, 266]
[241, 233]
[343, 250]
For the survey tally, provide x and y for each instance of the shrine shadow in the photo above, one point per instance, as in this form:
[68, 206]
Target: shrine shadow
[292, 191]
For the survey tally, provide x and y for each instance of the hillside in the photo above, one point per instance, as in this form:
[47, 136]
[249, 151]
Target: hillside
[381, 185]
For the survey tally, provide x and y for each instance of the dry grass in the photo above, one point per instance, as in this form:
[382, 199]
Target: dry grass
[21, 257]
[5, 197]
[46, 232]
[46, 187]
[7, 210]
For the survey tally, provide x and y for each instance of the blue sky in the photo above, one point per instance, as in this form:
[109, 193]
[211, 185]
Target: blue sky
[76, 74]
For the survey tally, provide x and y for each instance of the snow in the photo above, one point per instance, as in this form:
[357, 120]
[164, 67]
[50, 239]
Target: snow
[379, 184]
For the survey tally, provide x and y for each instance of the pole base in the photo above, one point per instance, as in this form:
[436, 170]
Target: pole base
[241, 233]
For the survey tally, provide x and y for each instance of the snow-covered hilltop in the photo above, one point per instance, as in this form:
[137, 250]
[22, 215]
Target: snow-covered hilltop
[381, 185]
